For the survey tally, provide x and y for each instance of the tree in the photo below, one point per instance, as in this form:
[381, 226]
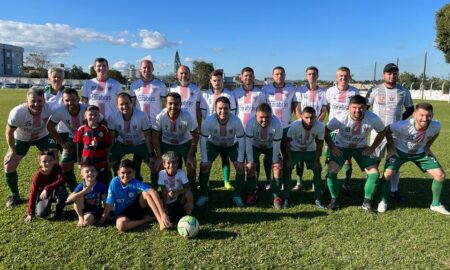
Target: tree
[76, 72]
[176, 62]
[408, 78]
[39, 61]
[115, 74]
[443, 31]
[200, 73]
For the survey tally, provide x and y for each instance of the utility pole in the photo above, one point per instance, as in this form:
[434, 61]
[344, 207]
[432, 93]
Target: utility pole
[423, 77]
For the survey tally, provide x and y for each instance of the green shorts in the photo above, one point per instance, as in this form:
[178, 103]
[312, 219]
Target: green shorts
[347, 153]
[213, 151]
[307, 157]
[118, 150]
[327, 152]
[182, 150]
[423, 161]
[259, 151]
[42, 144]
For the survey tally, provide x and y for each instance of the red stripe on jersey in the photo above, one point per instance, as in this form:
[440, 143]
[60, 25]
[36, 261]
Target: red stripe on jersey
[126, 126]
[36, 124]
[356, 127]
[184, 92]
[420, 136]
[279, 114]
[223, 130]
[264, 133]
[101, 86]
[342, 96]
[146, 88]
[248, 97]
[173, 125]
[312, 95]
[279, 94]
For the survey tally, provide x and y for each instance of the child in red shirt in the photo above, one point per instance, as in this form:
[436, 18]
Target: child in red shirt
[48, 186]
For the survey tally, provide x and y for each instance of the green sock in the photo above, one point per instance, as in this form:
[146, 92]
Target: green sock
[226, 171]
[371, 184]
[251, 183]
[385, 190]
[71, 180]
[317, 184]
[333, 184]
[299, 170]
[347, 168]
[276, 183]
[238, 184]
[203, 179]
[436, 188]
[12, 180]
[268, 168]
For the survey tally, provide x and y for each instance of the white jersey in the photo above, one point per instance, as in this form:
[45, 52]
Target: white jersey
[103, 94]
[208, 101]
[172, 183]
[190, 97]
[410, 140]
[339, 100]
[353, 133]
[177, 131]
[304, 140]
[247, 101]
[222, 135]
[55, 101]
[28, 127]
[130, 132]
[388, 103]
[148, 96]
[263, 138]
[312, 98]
[281, 100]
[62, 117]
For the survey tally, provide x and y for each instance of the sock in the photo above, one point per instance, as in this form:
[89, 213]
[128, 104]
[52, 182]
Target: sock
[226, 171]
[371, 184]
[238, 183]
[299, 170]
[394, 181]
[276, 183]
[267, 168]
[12, 180]
[333, 184]
[436, 188]
[251, 183]
[317, 184]
[385, 190]
[348, 173]
[203, 179]
[71, 180]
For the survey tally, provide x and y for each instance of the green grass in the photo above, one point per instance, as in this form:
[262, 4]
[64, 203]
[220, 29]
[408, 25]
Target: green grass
[407, 236]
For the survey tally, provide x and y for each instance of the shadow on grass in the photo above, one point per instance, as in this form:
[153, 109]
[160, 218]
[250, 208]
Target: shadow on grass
[215, 234]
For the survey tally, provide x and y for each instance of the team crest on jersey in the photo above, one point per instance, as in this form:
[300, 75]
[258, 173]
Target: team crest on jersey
[381, 99]
[391, 98]
[286, 94]
[366, 129]
[131, 194]
[85, 134]
[347, 129]
[100, 134]
[230, 131]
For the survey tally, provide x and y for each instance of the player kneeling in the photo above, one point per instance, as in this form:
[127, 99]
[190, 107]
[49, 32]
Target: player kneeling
[89, 196]
[133, 201]
[176, 191]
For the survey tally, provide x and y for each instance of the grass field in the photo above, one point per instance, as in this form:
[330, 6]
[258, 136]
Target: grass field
[407, 236]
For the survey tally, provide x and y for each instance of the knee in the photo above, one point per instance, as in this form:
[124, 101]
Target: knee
[121, 224]
[388, 175]
[188, 197]
[440, 176]
[333, 167]
[277, 170]
[205, 169]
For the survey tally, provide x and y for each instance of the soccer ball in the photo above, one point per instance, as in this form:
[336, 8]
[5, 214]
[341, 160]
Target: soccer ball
[188, 226]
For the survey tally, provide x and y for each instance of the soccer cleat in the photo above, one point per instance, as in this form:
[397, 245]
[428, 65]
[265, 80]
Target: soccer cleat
[397, 197]
[238, 201]
[297, 188]
[13, 201]
[368, 206]
[334, 204]
[286, 203]
[228, 186]
[268, 185]
[346, 189]
[202, 200]
[319, 204]
[440, 209]
[251, 199]
[382, 207]
[277, 203]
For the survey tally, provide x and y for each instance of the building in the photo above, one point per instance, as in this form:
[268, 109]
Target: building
[11, 60]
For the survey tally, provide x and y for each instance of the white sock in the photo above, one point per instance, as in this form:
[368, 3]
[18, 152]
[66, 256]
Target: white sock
[394, 181]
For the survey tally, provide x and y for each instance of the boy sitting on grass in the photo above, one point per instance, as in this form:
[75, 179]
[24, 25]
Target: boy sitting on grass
[48, 186]
[132, 200]
[176, 191]
[89, 196]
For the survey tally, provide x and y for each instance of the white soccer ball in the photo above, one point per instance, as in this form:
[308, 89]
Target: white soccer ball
[188, 226]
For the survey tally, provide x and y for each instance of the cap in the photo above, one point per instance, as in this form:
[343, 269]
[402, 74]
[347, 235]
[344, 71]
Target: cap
[389, 67]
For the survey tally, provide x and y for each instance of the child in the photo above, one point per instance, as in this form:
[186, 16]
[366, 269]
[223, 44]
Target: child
[96, 140]
[48, 185]
[132, 199]
[88, 197]
[176, 191]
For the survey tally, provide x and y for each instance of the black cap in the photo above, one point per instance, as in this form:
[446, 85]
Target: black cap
[389, 67]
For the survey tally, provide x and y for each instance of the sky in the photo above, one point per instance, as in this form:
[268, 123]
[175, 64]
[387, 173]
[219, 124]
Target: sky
[232, 34]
